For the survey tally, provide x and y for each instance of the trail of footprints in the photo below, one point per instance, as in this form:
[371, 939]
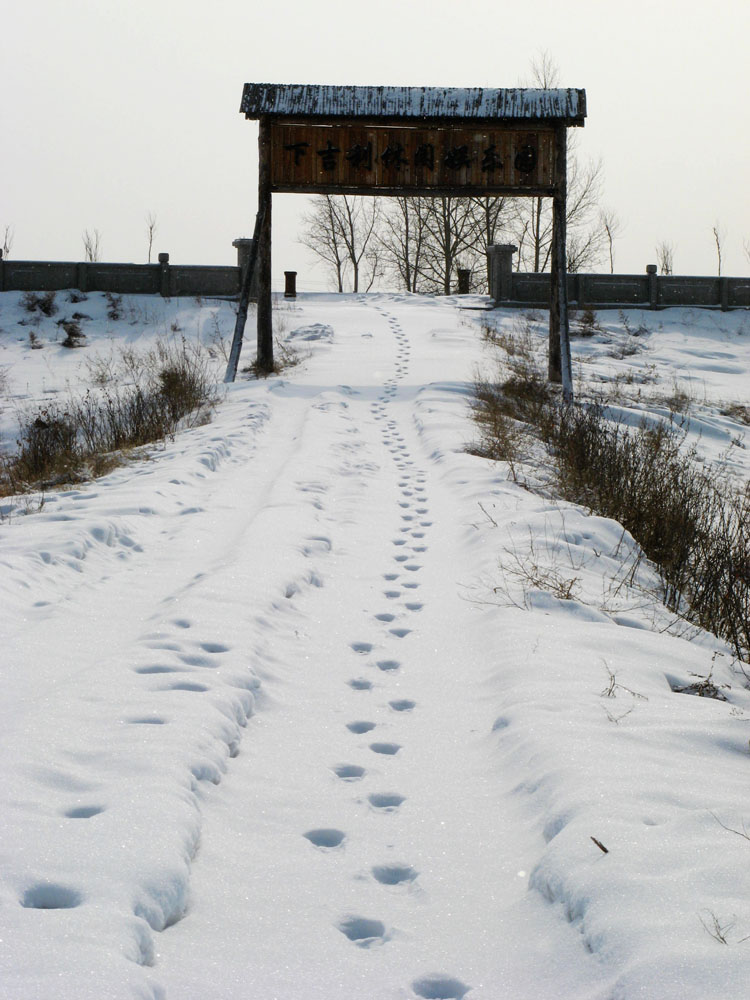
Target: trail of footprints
[400, 594]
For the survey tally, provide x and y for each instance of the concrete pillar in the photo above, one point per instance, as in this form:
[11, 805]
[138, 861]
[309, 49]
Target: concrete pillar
[82, 272]
[653, 287]
[244, 247]
[164, 277]
[500, 257]
[724, 294]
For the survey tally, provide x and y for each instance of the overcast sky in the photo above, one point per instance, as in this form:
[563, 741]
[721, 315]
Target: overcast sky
[112, 109]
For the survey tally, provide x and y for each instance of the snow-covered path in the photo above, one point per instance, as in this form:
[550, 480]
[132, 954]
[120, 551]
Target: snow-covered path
[267, 731]
[365, 843]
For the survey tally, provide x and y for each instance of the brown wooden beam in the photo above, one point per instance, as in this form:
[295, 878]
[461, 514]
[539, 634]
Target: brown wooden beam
[559, 339]
[265, 305]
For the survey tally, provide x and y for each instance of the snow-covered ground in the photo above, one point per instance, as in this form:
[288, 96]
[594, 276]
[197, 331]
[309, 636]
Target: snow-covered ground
[293, 707]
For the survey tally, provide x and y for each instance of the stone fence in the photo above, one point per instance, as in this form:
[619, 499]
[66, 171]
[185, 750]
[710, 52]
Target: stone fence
[507, 287]
[614, 291]
[128, 279]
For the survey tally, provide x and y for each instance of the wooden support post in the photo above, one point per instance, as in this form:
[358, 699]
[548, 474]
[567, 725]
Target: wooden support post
[265, 305]
[559, 340]
[247, 281]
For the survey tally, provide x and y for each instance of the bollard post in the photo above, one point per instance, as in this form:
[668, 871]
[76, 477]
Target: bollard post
[653, 289]
[290, 287]
[464, 280]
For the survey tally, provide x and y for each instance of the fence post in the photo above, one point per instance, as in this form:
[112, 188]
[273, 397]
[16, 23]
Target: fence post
[653, 288]
[164, 276]
[290, 288]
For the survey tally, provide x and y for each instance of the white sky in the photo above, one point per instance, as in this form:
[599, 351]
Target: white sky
[114, 109]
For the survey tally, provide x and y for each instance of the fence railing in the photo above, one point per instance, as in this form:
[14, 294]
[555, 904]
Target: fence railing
[125, 279]
[646, 291]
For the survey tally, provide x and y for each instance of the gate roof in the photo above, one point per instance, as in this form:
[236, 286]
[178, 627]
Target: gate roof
[471, 104]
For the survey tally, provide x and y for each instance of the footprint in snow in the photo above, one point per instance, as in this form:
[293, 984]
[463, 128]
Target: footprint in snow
[326, 837]
[387, 801]
[360, 727]
[51, 896]
[157, 668]
[402, 704]
[186, 686]
[362, 647]
[197, 660]
[83, 812]
[387, 665]
[349, 772]
[394, 874]
[439, 987]
[388, 749]
[360, 684]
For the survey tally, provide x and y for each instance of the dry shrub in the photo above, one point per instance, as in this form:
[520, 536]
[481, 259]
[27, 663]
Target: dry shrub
[34, 302]
[692, 523]
[172, 386]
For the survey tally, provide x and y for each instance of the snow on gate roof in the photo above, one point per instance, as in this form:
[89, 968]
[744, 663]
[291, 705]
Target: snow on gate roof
[474, 103]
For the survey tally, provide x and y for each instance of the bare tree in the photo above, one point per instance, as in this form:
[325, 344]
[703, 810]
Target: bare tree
[665, 257]
[532, 217]
[341, 230]
[92, 245]
[449, 233]
[358, 219]
[151, 227]
[491, 216]
[321, 235]
[612, 226]
[8, 241]
[719, 237]
[402, 239]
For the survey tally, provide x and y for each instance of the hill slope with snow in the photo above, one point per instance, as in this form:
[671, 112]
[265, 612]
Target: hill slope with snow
[294, 708]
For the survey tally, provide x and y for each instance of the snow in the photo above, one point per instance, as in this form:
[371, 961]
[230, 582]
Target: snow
[294, 708]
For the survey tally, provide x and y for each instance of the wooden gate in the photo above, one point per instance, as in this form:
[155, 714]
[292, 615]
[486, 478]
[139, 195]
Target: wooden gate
[411, 141]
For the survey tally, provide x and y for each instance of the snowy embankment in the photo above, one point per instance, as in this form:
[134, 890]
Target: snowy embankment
[296, 708]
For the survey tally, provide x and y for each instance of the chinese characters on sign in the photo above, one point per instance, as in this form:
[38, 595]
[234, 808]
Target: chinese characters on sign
[314, 158]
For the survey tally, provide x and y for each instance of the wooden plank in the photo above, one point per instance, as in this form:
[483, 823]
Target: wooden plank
[241, 320]
[366, 158]
[265, 306]
[559, 339]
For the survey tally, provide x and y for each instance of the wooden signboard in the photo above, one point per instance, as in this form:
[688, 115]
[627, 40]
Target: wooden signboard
[407, 141]
[375, 159]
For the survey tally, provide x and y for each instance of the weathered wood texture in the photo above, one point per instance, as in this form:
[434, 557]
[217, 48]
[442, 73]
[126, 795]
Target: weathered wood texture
[566, 106]
[265, 306]
[559, 340]
[244, 302]
[378, 159]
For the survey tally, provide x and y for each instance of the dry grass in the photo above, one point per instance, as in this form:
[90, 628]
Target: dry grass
[168, 387]
[692, 523]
